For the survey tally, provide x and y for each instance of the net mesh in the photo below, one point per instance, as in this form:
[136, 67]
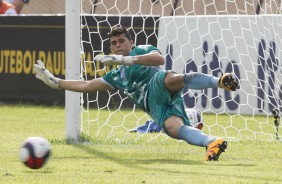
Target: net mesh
[192, 36]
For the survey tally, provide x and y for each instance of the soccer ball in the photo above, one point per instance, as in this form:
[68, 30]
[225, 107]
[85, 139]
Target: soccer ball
[35, 152]
[195, 118]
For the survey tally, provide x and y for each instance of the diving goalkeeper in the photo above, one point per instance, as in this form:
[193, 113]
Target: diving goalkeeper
[156, 91]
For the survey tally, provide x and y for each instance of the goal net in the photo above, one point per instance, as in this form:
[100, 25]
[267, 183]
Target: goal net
[212, 37]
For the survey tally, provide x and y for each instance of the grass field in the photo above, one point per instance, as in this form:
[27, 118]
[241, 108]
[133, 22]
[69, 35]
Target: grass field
[106, 161]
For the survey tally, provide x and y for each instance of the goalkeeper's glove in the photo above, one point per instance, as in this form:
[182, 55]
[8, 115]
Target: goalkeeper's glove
[43, 74]
[228, 82]
[110, 60]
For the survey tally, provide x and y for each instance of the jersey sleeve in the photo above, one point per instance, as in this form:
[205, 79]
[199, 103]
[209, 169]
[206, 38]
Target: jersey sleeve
[118, 78]
[109, 79]
[143, 49]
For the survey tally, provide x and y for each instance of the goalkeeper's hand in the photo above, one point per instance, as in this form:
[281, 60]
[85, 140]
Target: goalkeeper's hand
[110, 60]
[43, 74]
[228, 82]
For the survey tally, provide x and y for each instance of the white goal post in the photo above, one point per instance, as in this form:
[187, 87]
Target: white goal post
[247, 45]
[72, 50]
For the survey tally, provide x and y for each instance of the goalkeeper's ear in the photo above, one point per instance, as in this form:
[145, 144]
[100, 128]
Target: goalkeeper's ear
[228, 82]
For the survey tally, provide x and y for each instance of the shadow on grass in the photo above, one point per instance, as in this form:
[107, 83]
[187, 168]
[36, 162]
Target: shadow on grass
[132, 163]
[43, 170]
[144, 164]
[164, 164]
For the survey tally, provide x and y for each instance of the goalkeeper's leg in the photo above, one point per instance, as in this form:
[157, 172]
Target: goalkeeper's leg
[176, 129]
[175, 82]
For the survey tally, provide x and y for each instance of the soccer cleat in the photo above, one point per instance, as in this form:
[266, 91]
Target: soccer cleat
[215, 148]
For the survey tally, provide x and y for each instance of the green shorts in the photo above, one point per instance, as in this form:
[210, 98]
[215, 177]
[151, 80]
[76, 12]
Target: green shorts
[161, 105]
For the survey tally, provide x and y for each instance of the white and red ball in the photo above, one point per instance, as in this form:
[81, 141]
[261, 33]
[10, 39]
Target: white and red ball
[195, 118]
[35, 152]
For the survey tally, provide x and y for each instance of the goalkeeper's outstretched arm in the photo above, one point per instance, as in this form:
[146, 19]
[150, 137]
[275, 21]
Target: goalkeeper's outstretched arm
[72, 85]
[84, 86]
[153, 58]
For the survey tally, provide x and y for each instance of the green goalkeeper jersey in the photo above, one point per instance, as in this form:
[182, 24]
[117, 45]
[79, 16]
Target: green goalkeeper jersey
[133, 80]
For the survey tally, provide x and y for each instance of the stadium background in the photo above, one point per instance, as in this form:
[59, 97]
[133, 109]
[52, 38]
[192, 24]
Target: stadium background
[160, 7]
[28, 44]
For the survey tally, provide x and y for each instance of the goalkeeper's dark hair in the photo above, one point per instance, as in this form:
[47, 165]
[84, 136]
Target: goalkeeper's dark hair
[118, 30]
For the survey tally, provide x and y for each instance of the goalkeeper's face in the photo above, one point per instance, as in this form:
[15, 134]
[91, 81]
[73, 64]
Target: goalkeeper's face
[121, 45]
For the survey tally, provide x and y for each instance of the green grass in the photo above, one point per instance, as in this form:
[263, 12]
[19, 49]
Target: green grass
[133, 160]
